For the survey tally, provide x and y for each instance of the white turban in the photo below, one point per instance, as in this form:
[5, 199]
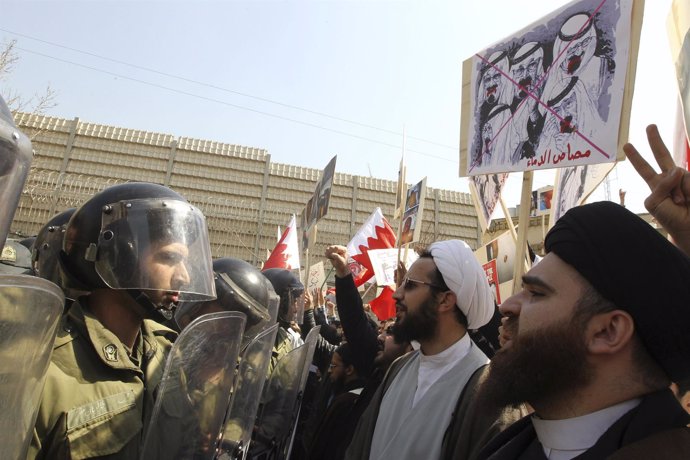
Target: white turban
[464, 276]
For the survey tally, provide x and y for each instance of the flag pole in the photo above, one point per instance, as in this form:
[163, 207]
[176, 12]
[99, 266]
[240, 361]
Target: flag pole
[368, 289]
[326, 277]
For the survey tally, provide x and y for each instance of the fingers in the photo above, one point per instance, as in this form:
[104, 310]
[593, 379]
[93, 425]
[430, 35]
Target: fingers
[661, 154]
[664, 189]
[336, 250]
[643, 168]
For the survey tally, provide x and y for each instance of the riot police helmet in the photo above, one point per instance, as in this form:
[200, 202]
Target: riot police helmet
[290, 289]
[143, 238]
[239, 287]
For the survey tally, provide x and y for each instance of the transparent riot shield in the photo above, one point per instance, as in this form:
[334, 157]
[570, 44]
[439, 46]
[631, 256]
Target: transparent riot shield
[278, 401]
[244, 404]
[310, 344]
[277, 417]
[195, 390]
[30, 310]
[15, 160]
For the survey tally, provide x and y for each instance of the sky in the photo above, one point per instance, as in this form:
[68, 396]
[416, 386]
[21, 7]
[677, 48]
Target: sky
[305, 80]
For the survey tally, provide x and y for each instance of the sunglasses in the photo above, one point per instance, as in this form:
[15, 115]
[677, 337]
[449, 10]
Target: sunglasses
[410, 284]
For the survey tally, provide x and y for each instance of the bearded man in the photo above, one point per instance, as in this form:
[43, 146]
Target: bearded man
[592, 342]
[425, 406]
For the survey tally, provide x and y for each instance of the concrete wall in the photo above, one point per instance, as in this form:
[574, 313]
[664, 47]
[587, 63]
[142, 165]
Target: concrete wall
[243, 195]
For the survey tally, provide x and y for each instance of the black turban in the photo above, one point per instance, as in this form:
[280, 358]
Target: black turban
[630, 264]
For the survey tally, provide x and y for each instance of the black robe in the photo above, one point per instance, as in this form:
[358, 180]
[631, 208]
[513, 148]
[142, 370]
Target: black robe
[658, 414]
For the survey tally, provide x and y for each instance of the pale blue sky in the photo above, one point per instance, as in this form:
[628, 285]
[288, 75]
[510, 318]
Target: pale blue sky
[386, 64]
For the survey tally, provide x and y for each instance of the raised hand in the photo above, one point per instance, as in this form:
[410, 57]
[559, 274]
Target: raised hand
[669, 200]
[338, 257]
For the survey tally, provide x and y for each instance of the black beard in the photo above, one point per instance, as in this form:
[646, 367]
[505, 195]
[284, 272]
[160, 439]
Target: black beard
[539, 366]
[420, 325]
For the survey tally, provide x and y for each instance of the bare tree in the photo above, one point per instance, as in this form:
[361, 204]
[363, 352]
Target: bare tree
[38, 103]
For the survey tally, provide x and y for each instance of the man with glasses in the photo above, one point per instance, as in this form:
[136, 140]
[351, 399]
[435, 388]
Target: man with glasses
[425, 406]
[390, 348]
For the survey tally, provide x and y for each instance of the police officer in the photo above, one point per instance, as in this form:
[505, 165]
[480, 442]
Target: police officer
[239, 287]
[291, 292]
[139, 249]
[45, 252]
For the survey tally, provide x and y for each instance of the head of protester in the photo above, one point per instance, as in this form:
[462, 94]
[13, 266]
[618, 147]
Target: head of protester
[594, 338]
[239, 287]
[15, 161]
[444, 292]
[291, 291]
[389, 349]
[342, 369]
[142, 239]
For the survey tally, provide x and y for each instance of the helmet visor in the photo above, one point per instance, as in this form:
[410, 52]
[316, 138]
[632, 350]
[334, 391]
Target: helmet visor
[230, 297]
[15, 160]
[159, 246]
[296, 303]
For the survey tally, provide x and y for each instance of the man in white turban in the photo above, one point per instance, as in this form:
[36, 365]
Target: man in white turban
[425, 407]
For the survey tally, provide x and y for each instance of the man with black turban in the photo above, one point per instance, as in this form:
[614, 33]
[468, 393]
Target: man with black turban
[596, 335]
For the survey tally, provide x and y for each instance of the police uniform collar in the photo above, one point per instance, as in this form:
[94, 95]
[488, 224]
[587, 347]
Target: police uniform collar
[107, 346]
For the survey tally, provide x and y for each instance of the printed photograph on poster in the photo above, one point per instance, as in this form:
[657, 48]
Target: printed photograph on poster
[544, 200]
[501, 250]
[384, 262]
[574, 185]
[304, 225]
[414, 207]
[322, 192]
[492, 278]
[551, 95]
[486, 191]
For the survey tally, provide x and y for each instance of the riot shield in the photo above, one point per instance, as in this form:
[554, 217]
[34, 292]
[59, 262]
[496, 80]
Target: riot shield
[245, 400]
[195, 390]
[30, 310]
[277, 417]
[310, 343]
[15, 160]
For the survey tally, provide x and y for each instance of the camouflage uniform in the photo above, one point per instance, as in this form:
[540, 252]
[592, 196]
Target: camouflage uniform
[97, 398]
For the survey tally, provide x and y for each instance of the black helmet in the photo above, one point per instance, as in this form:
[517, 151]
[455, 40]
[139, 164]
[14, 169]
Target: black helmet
[239, 287]
[28, 242]
[115, 238]
[290, 290]
[15, 161]
[45, 252]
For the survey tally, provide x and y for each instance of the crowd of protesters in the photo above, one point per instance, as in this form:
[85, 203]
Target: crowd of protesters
[589, 359]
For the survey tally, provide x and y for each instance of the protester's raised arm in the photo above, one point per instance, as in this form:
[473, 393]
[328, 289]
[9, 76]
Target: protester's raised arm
[669, 200]
[351, 311]
[338, 257]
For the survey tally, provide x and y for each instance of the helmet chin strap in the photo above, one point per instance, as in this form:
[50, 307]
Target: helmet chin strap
[151, 310]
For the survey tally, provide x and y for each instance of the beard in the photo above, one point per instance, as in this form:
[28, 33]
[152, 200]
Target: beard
[419, 325]
[539, 366]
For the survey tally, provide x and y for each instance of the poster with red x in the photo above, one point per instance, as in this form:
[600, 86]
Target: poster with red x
[555, 94]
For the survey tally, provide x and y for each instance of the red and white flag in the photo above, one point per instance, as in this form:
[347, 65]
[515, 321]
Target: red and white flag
[383, 306]
[375, 233]
[286, 253]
